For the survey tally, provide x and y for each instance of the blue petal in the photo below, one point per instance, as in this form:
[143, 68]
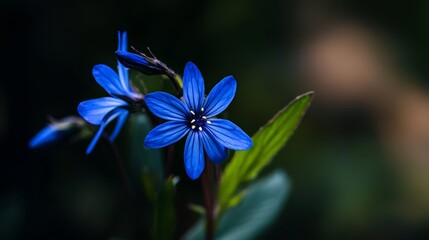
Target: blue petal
[220, 96]
[229, 135]
[122, 41]
[46, 136]
[125, 83]
[194, 155]
[106, 120]
[121, 120]
[214, 150]
[108, 79]
[193, 87]
[95, 110]
[95, 138]
[166, 134]
[122, 71]
[166, 106]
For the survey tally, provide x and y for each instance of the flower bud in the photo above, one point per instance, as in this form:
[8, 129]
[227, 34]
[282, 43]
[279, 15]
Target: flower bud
[139, 63]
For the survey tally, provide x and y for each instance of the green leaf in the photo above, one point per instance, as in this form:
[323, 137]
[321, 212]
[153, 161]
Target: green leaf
[164, 218]
[267, 142]
[146, 164]
[262, 203]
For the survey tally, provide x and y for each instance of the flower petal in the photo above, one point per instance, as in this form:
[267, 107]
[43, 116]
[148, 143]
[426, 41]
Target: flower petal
[122, 71]
[95, 138]
[108, 79]
[121, 120]
[220, 96]
[214, 150]
[106, 120]
[94, 110]
[48, 135]
[194, 155]
[122, 41]
[229, 134]
[166, 106]
[193, 87]
[166, 134]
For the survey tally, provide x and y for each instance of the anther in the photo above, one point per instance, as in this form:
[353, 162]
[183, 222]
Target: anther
[204, 117]
[200, 128]
[202, 109]
[193, 126]
[192, 112]
[193, 120]
[209, 122]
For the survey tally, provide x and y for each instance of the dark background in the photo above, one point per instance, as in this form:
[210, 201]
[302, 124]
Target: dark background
[346, 180]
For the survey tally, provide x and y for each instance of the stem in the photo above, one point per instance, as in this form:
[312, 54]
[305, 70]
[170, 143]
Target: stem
[169, 162]
[218, 173]
[176, 80]
[208, 199]
[126, 185]
[121, 169]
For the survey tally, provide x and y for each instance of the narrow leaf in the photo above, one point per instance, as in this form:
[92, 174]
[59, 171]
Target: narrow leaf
[267, 142]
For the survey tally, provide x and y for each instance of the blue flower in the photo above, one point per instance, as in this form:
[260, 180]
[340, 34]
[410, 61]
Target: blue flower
[124, 98]
[56, 131]
[195, 115]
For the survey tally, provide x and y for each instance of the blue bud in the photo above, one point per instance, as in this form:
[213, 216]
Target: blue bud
[139, 63]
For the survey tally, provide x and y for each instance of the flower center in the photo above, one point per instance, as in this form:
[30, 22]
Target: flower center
[198, 121]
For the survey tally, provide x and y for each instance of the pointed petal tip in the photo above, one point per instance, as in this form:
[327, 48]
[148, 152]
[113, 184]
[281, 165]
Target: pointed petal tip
[190, 64]
[88, 151]
[246, 144]
[193, 175]
[229, 134]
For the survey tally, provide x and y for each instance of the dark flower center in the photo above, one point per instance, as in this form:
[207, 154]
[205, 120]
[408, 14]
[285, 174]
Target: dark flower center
[198, 121]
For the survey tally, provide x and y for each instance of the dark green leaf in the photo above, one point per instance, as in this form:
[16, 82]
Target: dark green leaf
[262, 203]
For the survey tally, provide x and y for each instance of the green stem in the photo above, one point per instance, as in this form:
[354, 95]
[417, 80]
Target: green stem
[177, 82]
[126, 185]
[208, 199]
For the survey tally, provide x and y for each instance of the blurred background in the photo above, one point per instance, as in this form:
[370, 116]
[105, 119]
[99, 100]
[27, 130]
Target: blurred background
[359, 163]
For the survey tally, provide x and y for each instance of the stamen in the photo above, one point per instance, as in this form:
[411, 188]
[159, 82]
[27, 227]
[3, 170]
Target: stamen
[202, 109]
[204, 117]
[193, 127]
[193, 120]
[209, 122]
[200, 128]
[192, 112]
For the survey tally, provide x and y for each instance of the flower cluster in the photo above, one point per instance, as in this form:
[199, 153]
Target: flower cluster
[192, 114]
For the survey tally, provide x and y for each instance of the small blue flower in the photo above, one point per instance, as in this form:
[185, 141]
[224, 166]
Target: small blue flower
[195, 115]
[124, 98]
[56, 131]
